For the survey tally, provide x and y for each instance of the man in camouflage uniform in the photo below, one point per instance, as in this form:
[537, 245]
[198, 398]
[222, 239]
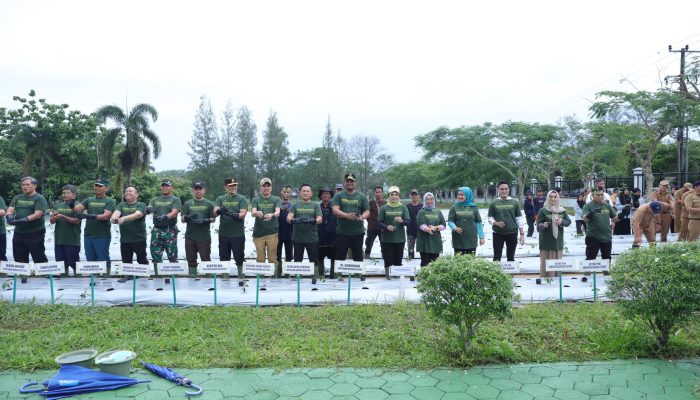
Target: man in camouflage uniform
[165, 209]
[663, 195]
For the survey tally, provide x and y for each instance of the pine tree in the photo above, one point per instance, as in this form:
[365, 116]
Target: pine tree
[274, 157]
[204, 142]
[246, 160]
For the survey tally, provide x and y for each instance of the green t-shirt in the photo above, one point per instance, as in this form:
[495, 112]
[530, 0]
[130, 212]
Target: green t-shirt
[164, 205]
[598, 227]
[132, 231]
[204, 209]
[465, 218]
[229, 227]
[2, 220]
[97, 206]
[305, 233]
[547, 241]
[386, 216]
[355, 203]
[267, 206]
[507, 211]
[66, 234]
[425, 242]
[25, 206]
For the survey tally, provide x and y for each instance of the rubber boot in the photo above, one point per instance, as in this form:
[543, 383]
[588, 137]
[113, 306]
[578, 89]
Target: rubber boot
[241, 278]
[332, 269]
[388, 272]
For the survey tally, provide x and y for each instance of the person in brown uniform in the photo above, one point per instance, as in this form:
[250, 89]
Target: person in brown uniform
[691, 203]
[663, 195]
[647, 221]
[678, 206]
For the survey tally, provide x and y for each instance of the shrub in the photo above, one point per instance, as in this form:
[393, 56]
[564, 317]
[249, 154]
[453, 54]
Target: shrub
[660, 285]
[464, 291]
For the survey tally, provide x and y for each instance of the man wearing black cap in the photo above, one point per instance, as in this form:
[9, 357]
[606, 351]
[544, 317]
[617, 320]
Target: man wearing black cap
[326, 231]
[198, 214]
[266, 211]
[232, 207]
[352, 209]
[691, 202]
[26, 213]
[412, 229]
[98, 230]
[165, 209]
[67, 232]
[530, 213]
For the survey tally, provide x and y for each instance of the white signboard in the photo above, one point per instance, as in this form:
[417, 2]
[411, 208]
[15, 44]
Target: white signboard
[214, 267]
[595, 265]
[90, 267]
[135, 270]
[298, 268]
[510, 267]
[116, 268]
[16, 268]
[350, 267]
[402, 270]
[49, 268]
[256, 268]
[173, 269]
[560, 265]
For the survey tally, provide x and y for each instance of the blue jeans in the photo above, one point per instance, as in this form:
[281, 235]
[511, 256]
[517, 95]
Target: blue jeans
[68, 254]
[97, 249]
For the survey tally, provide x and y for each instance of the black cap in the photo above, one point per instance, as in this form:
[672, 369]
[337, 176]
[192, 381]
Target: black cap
[696, 183]
[349, 176]
[231, 182]
[414, 191]
[166, 182]
[323, 190]
[199, 184]
[101, 182]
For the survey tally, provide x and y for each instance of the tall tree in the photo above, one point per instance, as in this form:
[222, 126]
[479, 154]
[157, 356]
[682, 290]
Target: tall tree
[274, 157]
[226, 150]
[329, 157]
[246, 154]
[204, 143]
[135, 128]
[371, 159]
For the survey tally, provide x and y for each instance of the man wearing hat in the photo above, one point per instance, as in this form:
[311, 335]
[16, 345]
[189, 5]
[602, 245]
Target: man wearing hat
[198, 214]
[530, 213]
[412, 229]
[165, 209]
[691, 203]
[339, 187]
[680, 215]
[646, 221]
[663, 195]
[67, 232]
[98, 230]
[26, 213]
[266, 211]
[351, 208]
[232, 207]
[326, 231]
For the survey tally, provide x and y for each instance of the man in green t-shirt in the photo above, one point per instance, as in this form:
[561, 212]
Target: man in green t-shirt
[130, 215]
[26, 213]
[266, 211]
[98, 231]
[198, 214]
[506, 218]
[3, 232]
[597, 214]
[232, 207]
[352, 209]
[306, 214]
[165, 209]
[67, 232]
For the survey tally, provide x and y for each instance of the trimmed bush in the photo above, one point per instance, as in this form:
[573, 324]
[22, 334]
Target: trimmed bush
[464, 291]
[659, 284]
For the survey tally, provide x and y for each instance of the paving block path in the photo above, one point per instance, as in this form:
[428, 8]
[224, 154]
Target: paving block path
[608, 380]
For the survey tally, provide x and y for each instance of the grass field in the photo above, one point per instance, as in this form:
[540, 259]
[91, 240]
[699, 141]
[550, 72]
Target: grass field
[403, 335]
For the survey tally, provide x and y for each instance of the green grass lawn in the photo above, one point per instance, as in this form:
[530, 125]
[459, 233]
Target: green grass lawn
[402, 335]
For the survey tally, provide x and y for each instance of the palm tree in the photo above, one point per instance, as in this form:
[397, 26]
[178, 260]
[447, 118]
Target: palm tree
[135, 126]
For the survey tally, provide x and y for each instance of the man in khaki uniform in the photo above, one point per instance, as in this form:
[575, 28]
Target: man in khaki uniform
[692, 205]
[663, 195]
[646, 221]
[683, 214]
[678, 206]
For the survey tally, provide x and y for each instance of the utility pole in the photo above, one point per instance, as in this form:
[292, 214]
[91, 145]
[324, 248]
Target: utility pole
[681, 129]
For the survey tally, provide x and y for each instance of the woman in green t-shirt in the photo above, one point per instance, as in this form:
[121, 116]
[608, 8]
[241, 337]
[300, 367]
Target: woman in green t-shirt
[393, 218]
[551, 220]
[465, 222]
[430, 222]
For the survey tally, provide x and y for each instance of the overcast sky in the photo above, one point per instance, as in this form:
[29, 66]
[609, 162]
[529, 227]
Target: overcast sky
[392, 69]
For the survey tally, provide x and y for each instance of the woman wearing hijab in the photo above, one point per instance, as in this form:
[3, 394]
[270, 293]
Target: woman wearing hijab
[393, 218]
[551, 221]
[578, 214]
[465, 222]
[430, 222]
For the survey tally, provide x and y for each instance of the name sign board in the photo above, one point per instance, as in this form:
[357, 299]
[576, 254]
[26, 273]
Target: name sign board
[299, 268]
[49, 268]
[402, 270]
[350, 267]
[595, 265]
[510, 267]
[90, 267]
[560, 265]
[173, 269]
[16, 268]
[135, 270]
[214, 267]
[256, 268]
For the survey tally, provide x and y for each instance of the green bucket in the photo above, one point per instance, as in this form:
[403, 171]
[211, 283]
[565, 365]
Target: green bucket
[116, 362]
[83, 358]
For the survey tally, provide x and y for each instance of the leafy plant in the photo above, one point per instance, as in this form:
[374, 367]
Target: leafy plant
[465, 291]
[660, 285]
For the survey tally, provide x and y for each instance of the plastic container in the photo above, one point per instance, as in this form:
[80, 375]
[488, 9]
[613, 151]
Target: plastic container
[116, 362]
[83, 358]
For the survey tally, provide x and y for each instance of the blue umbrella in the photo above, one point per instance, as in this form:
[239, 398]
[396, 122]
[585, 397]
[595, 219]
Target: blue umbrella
[169, 374]
[72, 380]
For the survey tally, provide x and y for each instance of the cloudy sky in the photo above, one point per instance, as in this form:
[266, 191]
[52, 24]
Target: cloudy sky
[393, 69]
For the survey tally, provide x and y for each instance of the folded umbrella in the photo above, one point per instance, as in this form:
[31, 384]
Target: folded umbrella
[173, 376]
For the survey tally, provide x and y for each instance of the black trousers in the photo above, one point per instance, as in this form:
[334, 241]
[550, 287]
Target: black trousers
[227, 245]
[593, 246]
[129, 249]
[24, 244]
[3, 247]
[369, 241]
[530, 225]
[345, 242]
[392, 253]
[288, 250]
[427, 258]
[580, 227]
[510, 240]
[311, 251]
[465, 251]
[323, 253]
